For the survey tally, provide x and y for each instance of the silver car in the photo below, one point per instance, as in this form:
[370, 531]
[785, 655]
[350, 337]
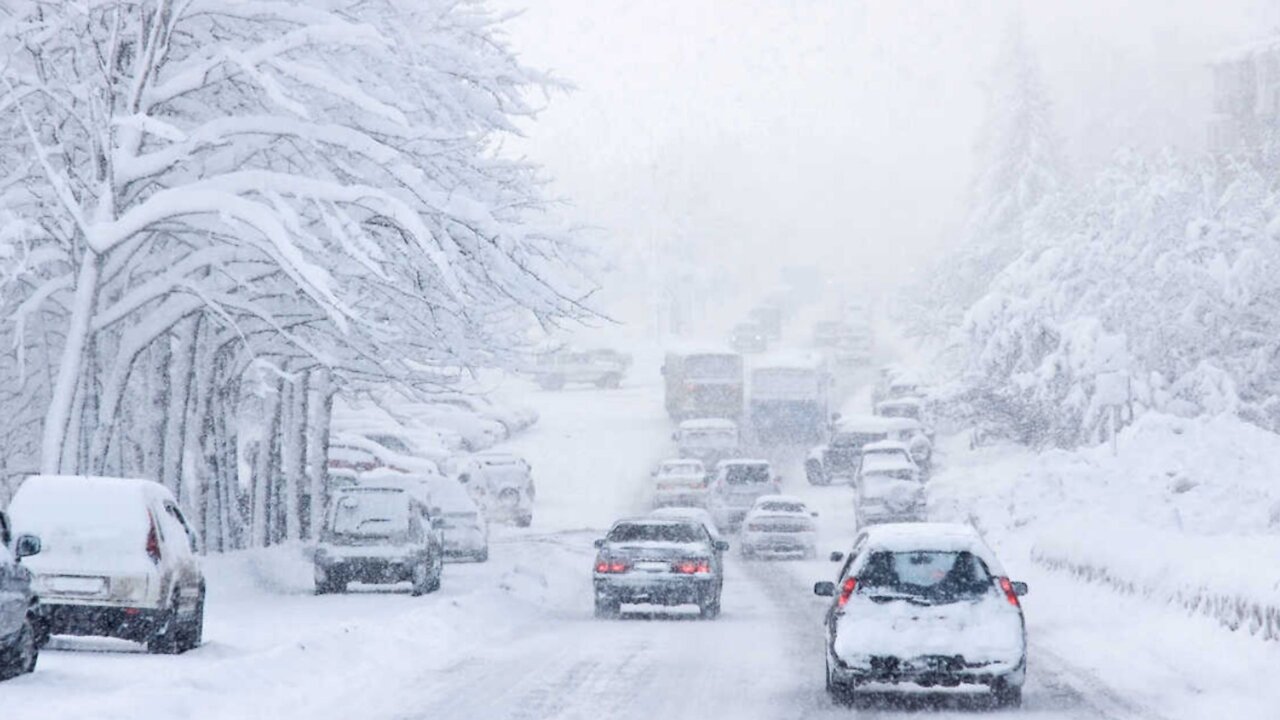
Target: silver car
[658, 561]
[22, 628]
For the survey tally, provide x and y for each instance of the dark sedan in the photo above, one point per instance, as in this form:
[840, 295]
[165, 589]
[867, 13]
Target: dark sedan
[656, 561]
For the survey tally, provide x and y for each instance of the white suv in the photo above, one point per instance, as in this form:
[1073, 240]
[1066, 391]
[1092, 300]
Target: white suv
[118, 559]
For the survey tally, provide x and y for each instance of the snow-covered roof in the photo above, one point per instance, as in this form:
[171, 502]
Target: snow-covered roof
[939, 537]
[708, 424]
[869, 424]
[883, 463]
[780, 499]
[885, 446]
[789, 359]
[741, 461]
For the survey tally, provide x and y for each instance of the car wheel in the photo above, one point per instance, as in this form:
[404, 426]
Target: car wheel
[482, 556]
[165, 638]
[192, 631]
[607, 608]
[1006, 695]
[524, 521]
[21, 657]
[420, 579]
[840, 693]
[434, 583]
[814, 474]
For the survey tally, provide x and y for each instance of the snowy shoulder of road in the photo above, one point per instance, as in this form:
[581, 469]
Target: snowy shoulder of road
[1149, 568]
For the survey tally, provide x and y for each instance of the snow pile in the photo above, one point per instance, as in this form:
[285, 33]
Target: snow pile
[1186, 512]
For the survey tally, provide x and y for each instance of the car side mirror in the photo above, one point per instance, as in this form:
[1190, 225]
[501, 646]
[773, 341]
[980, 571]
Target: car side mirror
[824, 589]
[1020, 588]
[26, 546]
[837, 556]
[722, 545]
[599, 543]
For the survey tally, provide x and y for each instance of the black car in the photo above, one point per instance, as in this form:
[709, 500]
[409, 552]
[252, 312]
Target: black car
[658, 561]
[21, 627]
[379, 535]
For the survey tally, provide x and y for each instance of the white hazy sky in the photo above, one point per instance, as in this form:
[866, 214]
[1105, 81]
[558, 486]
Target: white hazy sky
[762, 132]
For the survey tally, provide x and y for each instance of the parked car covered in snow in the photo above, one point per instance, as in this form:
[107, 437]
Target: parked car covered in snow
[658, 561]
[779, 526]
[514, 419]
[22, 626]
[603, 369]
[378, 535]
[465, 529]
[707, 439]
[680, 481]
[735, 486]
[926, 604]
[118, 559]
[502, 485]
[889, 489]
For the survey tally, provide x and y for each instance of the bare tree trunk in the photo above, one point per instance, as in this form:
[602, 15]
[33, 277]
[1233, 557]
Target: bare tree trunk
[179, 384]
[319, 411]
[292, 442]
[61, 414]
[263, 509]
[157, 406]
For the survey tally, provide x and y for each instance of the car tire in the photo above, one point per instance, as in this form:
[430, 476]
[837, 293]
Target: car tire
[421, 579]
[437, 577]
[524, 521]
[814, 474]
[1006, 695]
[482, 556]
[20, 658]
[191, 633]
[327, 584]
[840, 693]
[607, 608]
[165, 638]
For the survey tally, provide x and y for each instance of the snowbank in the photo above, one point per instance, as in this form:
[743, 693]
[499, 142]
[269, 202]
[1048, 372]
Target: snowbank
[1186, 512]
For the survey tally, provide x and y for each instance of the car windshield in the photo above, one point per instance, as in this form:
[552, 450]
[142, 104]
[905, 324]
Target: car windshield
[901, 411]
[713, 367]
[657, 532]
[366, 513]
[932, 576]
[783, 507]
[746, 474]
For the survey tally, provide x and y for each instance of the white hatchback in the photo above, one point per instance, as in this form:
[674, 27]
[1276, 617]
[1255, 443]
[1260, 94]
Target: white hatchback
[927, 604]
[779, 526]
[118, 559]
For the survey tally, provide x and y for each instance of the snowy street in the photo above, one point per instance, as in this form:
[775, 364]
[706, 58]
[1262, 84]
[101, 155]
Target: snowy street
[514, 638]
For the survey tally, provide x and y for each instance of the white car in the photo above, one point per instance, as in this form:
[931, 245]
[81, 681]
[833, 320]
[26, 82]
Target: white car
[707, 439]
[681, 481]
[889, 490]
[118, 559]
[736, 485]
[927, 604]
[602, 368]
[502, 485]
[779, 525]
[885, 449]
[466, 531]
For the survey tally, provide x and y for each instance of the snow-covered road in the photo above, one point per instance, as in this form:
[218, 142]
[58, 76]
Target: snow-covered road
[515, 638]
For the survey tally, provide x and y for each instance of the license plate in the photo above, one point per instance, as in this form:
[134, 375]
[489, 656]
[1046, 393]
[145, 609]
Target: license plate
[652, 567]
[76, 585]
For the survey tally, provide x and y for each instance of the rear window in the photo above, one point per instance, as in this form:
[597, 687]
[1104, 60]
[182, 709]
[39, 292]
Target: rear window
[658, 532]
[371, 514]
[746, 474]
[934, 576]
[855, 440]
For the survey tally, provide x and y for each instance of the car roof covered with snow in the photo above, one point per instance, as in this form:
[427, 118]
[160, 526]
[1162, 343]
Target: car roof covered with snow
[731, 462]
[902, 402]
[886, 463]
[885, 447]
[931, 536]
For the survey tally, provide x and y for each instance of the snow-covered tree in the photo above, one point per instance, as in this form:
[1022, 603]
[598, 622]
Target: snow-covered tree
[208, 186]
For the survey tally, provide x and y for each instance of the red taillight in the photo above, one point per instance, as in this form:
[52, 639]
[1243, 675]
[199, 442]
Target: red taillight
[1009, 594]
[153, 541]
[846, 590]
[611, 566]
[692, 567]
